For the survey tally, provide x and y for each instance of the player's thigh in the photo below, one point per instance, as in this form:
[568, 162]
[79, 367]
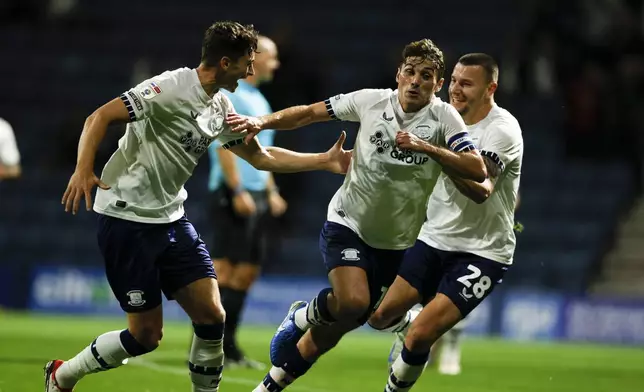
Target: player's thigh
[224, 269]
[469, 279]
[244, 275]
[422, 268]
[186, 273]
[347, 261]
[130, 251]
[399, 298]
[437, 317]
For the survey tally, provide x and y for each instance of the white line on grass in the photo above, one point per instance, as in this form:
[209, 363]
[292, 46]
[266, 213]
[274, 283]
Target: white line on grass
[180, 371]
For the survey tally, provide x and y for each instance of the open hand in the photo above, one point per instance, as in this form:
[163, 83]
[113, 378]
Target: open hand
[339, 158]
[239, 123]
[81, 184]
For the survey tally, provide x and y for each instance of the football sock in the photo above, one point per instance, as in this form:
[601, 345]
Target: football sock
[400, 325]
[106, 352]
[206, 357]
[279, 378]
[406, 370]
[315, 312]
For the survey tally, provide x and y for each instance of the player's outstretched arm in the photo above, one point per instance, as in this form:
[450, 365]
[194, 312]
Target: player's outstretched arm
[467, 164]
[280, 160]
[83, 180]
[289, 118]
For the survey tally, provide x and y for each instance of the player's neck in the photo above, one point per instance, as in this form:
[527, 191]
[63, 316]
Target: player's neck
[252, 80]
[208, 79]
[476, 116]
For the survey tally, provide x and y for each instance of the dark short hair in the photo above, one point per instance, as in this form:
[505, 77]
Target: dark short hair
[486, 61]
[427, 50]
[229, 39]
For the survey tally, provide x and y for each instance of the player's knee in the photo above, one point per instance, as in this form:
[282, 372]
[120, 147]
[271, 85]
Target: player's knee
[379, 320]
[148, 336]
[421, 336]
[212, 314]
[352, 307]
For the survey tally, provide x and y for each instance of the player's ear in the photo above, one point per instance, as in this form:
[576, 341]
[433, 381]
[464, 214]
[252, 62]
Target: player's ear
[439, 85]
[398, 75]
[491, 88]
[225, 62]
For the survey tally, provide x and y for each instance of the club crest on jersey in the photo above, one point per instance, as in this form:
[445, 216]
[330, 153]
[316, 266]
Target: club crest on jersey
[424, 132]
[217, 124]
[378, 140]
[350, 254]
[150, 91]
[136, 298]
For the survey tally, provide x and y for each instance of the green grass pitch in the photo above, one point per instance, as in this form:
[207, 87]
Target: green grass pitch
[358, 364]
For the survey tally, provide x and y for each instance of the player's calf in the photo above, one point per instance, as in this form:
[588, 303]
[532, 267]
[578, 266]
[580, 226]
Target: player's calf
[106, 352]
[437, 317]
[200, 299]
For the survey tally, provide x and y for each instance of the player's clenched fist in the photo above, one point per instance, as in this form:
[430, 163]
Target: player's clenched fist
[409, 141]
[81, 185]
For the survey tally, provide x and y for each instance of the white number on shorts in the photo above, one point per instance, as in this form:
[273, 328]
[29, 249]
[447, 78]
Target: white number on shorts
[479, 287]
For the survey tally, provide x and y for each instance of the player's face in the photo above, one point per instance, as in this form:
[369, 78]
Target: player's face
[237, 69]
[266, 62]
[417, 83]
[468, 87]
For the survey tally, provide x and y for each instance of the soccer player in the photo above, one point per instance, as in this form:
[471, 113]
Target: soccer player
[406, 137]
[467, 242]
[147, 242]
[9, 154]
[244, 199]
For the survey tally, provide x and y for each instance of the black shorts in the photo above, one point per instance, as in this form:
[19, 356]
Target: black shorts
[239, 238]
[142, 259]
[340, 246]
[465, 278]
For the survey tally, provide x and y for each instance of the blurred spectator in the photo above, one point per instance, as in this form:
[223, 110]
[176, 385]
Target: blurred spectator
[9, 154]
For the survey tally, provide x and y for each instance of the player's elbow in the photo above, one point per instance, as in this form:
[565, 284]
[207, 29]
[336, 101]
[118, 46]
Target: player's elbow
[261, 160]
[481, 196]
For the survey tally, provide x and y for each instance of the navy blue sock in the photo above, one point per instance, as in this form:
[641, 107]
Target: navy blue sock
[317, 313]
[130, 344]
[414, 359]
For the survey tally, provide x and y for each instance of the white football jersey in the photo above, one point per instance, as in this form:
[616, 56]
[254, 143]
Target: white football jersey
[457, 224]
[384, 194]
[173, 121]
[9, 154]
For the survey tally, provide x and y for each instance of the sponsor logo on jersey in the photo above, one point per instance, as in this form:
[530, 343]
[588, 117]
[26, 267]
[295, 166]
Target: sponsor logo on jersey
[150, 91]
[378, 140]
[197, 145]
[409, 157]
[135, 100]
